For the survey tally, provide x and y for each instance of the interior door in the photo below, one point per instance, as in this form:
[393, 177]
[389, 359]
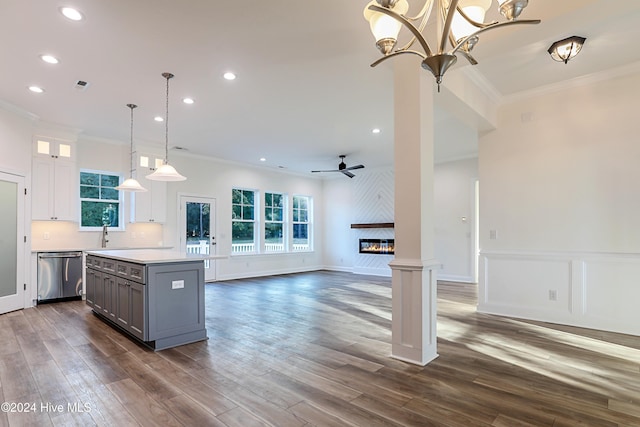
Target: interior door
[197, 230]
[12, 254]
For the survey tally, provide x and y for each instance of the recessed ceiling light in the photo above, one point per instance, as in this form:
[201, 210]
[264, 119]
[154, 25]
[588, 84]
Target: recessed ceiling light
[376, 130]
[229, 75]
[188, 100]
[49, 59]
[158, 119]
[36, 89]
[262, 159]
[71, 13]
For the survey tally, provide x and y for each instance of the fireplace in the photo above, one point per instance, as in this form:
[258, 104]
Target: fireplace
[376, 246]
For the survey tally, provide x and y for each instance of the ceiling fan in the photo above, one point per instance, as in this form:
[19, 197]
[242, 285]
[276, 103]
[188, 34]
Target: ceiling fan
[342, 167]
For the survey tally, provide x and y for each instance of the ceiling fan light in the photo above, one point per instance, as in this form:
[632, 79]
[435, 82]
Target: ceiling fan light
[564, 50]
[166, 172]
[130, 184]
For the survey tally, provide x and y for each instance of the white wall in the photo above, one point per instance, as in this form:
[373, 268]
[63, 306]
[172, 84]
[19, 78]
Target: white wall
[216, 179]
[559, 189]
[15, 145]
[454, 188]
[104, 156]
[338, 236]
[16, 132]
[368, 198]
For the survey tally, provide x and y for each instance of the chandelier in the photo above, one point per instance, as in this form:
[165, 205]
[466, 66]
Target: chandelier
[459, 22]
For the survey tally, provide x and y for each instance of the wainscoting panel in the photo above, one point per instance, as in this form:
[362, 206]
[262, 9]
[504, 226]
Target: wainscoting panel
[598, 291]
[612, 294]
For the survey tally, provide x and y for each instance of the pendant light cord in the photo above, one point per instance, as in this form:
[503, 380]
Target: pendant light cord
[166, 121]
[131, 106]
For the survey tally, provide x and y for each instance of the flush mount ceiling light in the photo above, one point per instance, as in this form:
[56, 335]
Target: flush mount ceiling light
[188, 100]
[36, 89]
[461, 21]
[166, 172]
[564, 50]
[229, 75]
[131, 184]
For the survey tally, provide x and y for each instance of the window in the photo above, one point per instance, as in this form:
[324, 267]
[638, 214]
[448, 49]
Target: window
[99, 200]
[274, 222]
[243, 228]
[301, 223]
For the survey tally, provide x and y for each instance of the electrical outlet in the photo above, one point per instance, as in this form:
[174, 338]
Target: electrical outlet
[46, 235]
[553, 295]
[493, 234]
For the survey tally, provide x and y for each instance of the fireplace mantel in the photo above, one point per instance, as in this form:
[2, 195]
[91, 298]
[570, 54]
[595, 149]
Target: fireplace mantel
[374, 225]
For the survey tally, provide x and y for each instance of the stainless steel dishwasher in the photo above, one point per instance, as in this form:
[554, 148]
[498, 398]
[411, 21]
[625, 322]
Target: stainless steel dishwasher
[59, 276]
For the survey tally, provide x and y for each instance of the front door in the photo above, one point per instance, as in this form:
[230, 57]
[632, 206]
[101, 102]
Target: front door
[197, 230]
[12, 264]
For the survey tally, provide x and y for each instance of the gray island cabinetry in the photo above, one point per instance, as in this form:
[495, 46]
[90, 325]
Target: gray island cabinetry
[155, 296]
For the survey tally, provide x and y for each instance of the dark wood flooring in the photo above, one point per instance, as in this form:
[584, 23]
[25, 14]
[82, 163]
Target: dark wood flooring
[313, 349]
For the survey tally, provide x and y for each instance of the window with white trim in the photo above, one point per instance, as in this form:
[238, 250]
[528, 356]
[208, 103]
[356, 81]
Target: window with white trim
[274, 222]
[100, 202]
[243, 224]
[301, 223]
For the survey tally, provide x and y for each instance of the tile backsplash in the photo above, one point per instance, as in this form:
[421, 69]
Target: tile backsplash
[54, 235]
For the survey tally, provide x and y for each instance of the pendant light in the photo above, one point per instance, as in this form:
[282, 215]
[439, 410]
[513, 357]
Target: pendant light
[166, 172]
[131, 184]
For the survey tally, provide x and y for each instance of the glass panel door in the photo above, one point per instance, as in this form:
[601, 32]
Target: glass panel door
[11, 246]
[198, 230]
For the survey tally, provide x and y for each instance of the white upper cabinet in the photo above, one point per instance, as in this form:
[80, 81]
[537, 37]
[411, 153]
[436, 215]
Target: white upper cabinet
[54, 185]
[52, 148]
[149, 206]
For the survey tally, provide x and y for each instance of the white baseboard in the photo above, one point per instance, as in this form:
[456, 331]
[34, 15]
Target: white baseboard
[454, 278]
[263, 273]
[385, 272]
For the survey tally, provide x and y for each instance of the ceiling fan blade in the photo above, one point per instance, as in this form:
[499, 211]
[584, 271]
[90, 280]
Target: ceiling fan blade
[333, 170]
[350, 168]
[347, 173]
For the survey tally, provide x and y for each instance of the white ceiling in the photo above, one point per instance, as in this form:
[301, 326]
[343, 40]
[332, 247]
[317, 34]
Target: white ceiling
[304, 93]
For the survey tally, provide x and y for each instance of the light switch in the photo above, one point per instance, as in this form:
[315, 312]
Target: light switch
[46, 236]
[177, 284]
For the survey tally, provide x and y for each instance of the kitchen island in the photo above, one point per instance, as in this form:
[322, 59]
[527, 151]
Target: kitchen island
[155, 296]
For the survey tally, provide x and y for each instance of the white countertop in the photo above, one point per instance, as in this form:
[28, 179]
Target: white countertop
[76, 249]
[151, 256]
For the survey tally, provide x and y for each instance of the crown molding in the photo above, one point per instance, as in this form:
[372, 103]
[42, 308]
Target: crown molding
[585, 80]
[18, 111]
[482, 83]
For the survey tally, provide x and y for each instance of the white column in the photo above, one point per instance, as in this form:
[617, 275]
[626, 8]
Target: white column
[413, 330]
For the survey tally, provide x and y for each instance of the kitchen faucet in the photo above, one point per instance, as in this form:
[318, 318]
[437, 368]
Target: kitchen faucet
[105, 233]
